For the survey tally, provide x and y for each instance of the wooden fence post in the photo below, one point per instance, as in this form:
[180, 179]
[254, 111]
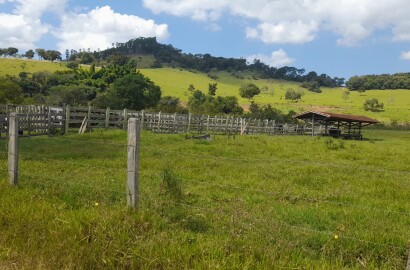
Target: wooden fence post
[159, 123]
[142, 119]
[49, 123]
[67, 119]
[89, 118]
[107, 118]
[125, 115]
[13, 148]
[189, 123]
[134, 127]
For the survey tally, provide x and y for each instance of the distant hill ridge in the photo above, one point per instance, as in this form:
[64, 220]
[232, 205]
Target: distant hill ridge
[167, 55]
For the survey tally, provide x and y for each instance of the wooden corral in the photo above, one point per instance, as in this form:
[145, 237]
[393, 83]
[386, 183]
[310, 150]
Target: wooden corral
[337, 125]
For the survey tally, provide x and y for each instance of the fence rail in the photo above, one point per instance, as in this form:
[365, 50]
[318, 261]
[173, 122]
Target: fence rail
[42, 120]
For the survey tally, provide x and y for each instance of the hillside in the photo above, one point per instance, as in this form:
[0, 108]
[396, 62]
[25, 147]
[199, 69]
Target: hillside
[13, 66]
[175, 82]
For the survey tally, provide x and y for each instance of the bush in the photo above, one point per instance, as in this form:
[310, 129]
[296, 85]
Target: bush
[293, 95]
[373, 105]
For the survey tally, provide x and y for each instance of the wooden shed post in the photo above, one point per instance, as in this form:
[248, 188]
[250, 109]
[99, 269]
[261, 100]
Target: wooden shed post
[313, 124]
[134, 127]
[13, 148]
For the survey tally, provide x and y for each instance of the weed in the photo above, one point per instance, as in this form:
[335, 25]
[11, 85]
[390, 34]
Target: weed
[334, 144]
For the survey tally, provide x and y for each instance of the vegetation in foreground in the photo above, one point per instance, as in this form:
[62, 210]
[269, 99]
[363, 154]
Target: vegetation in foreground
[230, 203]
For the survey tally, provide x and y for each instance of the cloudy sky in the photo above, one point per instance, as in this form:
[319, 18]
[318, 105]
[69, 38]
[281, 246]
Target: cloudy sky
[338, 37]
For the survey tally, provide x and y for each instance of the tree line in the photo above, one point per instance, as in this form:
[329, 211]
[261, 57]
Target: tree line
[381, 82]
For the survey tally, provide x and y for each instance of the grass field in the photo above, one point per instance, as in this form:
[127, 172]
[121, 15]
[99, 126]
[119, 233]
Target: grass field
[175, 82]
[252, 202]
[13, 66]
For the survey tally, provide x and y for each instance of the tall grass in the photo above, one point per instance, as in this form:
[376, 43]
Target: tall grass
[251, 202]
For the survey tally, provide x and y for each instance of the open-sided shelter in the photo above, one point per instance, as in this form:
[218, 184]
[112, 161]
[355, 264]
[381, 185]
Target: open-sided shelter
[338, 125]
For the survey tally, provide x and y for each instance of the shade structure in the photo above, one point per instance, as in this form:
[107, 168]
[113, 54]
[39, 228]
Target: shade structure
[334, 123]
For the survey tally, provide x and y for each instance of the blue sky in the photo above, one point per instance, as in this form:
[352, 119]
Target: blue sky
[339, 37]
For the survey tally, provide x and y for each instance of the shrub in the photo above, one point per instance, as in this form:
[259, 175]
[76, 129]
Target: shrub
[373, 105]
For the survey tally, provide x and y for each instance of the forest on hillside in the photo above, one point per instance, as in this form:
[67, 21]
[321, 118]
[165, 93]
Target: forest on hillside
[167, 55]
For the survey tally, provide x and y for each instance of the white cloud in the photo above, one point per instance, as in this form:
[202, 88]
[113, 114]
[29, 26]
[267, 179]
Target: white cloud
[18, 31]
[24, 27]
[405, 55]
[286, 32]
[298, 21]
[277, 58]
[101, 27]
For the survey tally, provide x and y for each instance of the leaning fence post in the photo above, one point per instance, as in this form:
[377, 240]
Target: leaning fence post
[134, 126]
[13, 148]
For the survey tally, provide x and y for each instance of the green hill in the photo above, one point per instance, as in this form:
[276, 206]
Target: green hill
[13, 66]
[175, 82]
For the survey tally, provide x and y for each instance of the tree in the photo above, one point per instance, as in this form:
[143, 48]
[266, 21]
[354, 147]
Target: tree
[346, 95]
[373, 105]
[52, 55]
[41, 53]
[212, 87]
[169, 104]
[135, 92]
[29, 54]
[10, 92]
[11, 51]
[73, 95]
[313, 86]
[293, 95]
[249, 91]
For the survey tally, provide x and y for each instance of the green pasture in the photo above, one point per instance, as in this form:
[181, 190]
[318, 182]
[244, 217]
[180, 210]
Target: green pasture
[175, 82]
[12, 66]
[248, 202]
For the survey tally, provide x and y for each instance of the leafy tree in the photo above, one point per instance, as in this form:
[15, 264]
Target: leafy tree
[74, 95]
[29, 54]
[268, 112]
[212, 87]
[249, 90]
[293, 95]
[10, 92]
[169, 104]
[346, 95]
[52, 55]
[41, 53]
[373, 105]
[72, 65]
[11, 51]
[133, 91]
[313, 86]
[191, 88]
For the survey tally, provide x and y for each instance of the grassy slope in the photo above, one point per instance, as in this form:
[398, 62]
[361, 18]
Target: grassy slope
[175, 82]
[12, 67]
[252, 201]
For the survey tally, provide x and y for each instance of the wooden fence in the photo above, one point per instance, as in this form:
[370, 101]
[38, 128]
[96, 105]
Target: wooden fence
[40, 120]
